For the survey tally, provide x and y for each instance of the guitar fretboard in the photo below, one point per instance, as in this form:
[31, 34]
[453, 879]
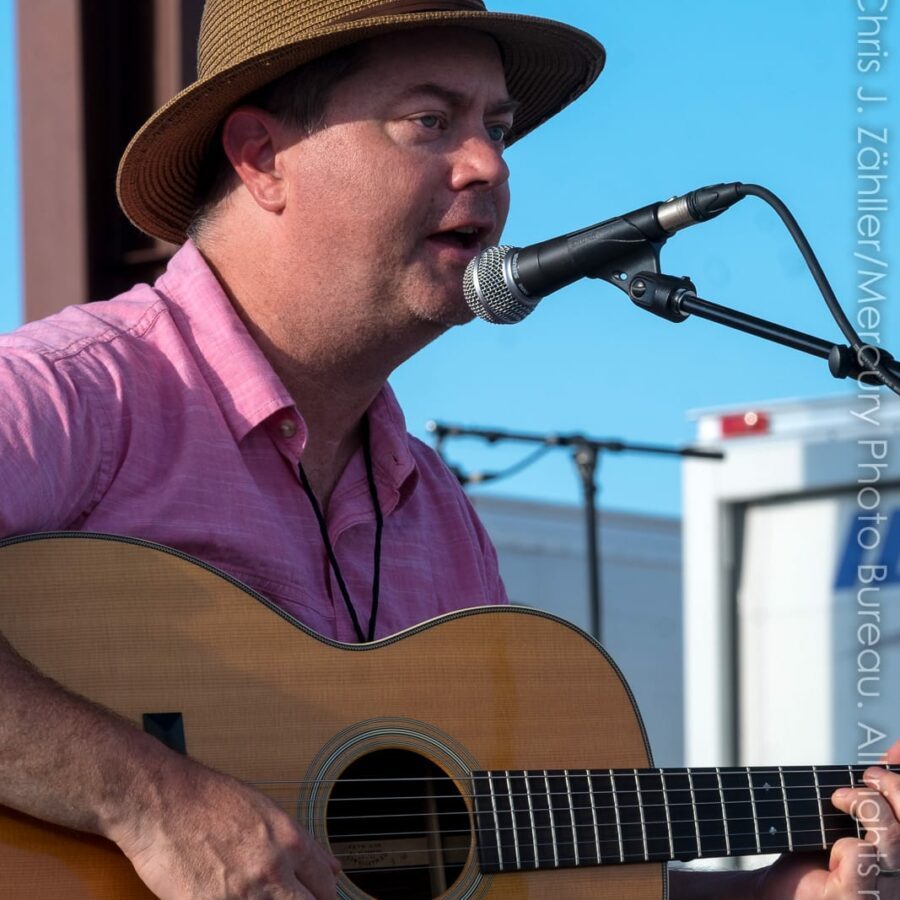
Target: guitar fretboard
[564, 818]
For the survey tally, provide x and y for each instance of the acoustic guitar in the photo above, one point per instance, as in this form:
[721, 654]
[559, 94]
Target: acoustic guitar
[493, 752]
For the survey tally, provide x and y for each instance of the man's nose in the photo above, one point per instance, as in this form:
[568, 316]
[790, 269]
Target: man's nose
[478, 162]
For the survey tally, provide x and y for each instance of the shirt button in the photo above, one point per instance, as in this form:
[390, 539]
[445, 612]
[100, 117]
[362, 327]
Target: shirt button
[287, 427]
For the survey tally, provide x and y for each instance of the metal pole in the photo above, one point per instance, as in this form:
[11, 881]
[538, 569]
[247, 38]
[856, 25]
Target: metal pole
[586, 458]
[586, 454]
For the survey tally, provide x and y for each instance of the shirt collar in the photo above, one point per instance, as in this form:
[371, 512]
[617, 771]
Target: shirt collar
[245, 385]
[392, 459]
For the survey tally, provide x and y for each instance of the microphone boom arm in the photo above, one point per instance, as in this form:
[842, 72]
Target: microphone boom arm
[675, 299]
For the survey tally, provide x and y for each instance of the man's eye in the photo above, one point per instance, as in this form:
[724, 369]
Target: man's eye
[498, 133]
[430, 122]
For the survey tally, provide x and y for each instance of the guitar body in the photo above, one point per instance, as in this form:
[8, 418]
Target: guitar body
[144, 631]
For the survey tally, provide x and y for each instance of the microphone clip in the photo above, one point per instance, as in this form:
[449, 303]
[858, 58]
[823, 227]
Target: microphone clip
[639, 276]
[661, 294]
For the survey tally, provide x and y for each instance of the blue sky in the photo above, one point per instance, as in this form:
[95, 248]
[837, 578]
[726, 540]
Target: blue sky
[694, 93]
[10, 284]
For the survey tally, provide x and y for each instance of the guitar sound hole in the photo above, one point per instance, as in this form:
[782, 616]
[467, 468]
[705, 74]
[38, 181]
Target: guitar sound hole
[399, 826]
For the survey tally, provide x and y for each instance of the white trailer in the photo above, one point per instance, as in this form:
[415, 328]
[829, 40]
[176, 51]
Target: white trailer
[791, 583]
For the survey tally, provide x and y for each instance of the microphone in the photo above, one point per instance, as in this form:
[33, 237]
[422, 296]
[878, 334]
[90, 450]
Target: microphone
[504, 284]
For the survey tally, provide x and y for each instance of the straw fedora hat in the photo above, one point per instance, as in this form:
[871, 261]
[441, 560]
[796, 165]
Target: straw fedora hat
[246, 44]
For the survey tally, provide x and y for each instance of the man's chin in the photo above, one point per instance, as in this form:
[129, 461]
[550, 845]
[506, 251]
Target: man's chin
[450, 317]
[445, 311]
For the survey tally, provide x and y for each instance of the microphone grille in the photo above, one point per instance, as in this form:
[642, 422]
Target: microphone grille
[487, 292]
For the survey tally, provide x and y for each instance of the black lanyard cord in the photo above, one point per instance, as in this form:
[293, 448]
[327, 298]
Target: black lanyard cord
[379, 528]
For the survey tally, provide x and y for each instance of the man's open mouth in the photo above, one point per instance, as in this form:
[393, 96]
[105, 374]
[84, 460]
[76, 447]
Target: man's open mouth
[465, 238]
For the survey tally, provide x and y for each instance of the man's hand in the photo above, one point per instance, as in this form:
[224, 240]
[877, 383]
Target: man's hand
[204, 836]
[191, 833]
[856, 868]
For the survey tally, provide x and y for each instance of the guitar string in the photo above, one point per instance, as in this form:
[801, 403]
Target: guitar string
[801, 793]
[612, 857]
[790, 792]
[604, 773]
[845, 823]
[795, 794]
[844, 820]
[588, 825]
[760, 793]
[622, 806]
[651, 807]
[763, 832]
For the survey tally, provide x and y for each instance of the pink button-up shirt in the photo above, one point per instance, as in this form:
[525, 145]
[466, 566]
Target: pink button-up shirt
[155, 415]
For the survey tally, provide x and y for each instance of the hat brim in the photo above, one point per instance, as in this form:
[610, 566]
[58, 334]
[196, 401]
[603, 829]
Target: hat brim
[548, 65]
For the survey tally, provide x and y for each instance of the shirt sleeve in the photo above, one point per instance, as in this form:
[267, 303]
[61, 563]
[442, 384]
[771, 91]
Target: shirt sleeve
[53, 431]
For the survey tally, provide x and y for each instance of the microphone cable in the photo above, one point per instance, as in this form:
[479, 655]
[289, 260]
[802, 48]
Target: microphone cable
[509, 471]
[875, 366]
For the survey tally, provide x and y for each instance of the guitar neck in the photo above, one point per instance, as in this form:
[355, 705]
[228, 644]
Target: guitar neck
[558, 819]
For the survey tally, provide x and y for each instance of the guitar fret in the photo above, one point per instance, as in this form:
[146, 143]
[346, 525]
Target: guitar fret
[515, 831]
[740, 828]
[596, 828]
[724, 812]
[805, 809]
[590, 787]
[534, 836]
[552, 824]
[682, 815]
[637, 785]
[665, 793]
[710, 821]
[773, 832]
[583, 819]
[563, 814]
[658, 845]
[615, 796]
[696, 816]
[821, 811]
[603, 799]
[490, 855]
[518, 791]
[543, 820]
[755, 816]
[787, 813]
[856, 821]
[572, 808]
[496, 819]
[837, 823]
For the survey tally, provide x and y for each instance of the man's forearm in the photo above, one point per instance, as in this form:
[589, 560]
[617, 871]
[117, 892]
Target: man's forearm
[63, 759]
[187, 830]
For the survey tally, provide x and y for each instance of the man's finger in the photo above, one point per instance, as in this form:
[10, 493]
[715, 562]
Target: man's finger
[314, 867]
[876, 816]
[854, 868]
[887, 784]
[893, 754]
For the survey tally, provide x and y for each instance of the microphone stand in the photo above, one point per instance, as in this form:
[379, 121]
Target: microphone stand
[586, 456]
[675, 299]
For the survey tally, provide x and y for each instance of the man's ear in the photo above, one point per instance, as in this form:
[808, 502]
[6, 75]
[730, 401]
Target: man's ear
[250, 140]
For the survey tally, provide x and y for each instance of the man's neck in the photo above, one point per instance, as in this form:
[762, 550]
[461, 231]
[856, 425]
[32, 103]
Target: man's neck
[333, 391]
[333, 370]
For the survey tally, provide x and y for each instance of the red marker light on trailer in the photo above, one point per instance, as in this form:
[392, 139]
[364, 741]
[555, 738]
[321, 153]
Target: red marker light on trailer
[740, 424]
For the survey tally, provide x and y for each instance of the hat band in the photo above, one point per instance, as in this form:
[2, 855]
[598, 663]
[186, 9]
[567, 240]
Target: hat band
[399, 7]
